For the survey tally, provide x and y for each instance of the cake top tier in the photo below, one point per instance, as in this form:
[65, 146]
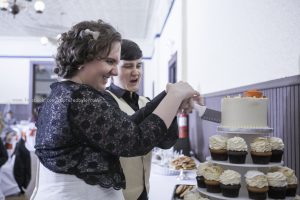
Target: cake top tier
[247, 111]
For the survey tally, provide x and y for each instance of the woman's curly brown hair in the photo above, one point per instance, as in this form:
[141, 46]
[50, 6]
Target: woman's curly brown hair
[77, 47]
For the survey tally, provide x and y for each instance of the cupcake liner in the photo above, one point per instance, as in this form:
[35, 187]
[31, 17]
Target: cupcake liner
[257, 193]
[291, 190]
[200, 181]
[276, 156]
[230, 190]
[261, 157]
[277, 192]
[237, 157]
[220, 155]
[213, 186]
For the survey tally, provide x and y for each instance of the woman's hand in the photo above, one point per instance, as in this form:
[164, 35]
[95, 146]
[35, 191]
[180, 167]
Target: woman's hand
[182, 90]
[187, 105]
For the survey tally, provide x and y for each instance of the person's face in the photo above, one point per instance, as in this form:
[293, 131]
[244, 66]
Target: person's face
[97, 72]
[129, 75]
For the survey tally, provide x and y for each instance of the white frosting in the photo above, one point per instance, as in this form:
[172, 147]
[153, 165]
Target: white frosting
[290, 175]
[276, 143]
[236, 144]
[244, 112]
[213, 173]
[260, 144]
[256, 179]
[218, 142]
[276, 179]
[230, 177]
[201, 167]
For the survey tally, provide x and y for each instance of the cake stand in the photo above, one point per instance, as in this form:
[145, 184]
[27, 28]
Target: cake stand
[222, 129]
[184, 174]
[248, 134]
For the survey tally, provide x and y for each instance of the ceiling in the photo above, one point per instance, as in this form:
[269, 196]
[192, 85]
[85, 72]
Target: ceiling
[132, 18]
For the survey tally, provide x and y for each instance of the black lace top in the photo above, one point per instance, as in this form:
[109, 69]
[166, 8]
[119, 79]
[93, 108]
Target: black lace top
[82, 131]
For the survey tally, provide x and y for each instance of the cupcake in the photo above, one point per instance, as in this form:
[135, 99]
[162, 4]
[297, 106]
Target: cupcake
[277, 147]
[257, 184]
[261, 151]
[212, 178]
[277, 185]
[230, 183]
[199, 172]
[292, 181]
[237, 150]
[218, 147]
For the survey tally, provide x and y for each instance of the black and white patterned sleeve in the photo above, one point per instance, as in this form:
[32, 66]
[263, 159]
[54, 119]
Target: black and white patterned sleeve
[107, 128]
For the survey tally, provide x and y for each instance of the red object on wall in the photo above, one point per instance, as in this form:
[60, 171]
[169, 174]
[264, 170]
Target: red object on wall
[183, 125]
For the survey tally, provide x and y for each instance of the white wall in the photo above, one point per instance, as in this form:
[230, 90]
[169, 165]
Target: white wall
[25, 46]
[156, 69]
[234, 43]
[14, 81]
[15, 57]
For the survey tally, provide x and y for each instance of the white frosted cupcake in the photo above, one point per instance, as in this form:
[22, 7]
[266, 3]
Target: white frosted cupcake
[261, 150]
[257, 184]
[292, 181]
[212, 178]
[277, 147]
[237, 150]
[200, 171]
[277, 185]
[218, 147]
[230, 183]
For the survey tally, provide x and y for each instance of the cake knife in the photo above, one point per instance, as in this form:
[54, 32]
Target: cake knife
[208, 114]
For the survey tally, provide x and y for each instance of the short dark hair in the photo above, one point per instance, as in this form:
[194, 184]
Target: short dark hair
[130, 50]
[79, 46]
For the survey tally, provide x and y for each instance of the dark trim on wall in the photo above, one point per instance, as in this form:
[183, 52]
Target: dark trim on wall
[166, 19]
[276, 83]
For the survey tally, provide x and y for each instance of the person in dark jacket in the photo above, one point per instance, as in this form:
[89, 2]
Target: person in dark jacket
[124, 88]
[3, 153]
[22, 166]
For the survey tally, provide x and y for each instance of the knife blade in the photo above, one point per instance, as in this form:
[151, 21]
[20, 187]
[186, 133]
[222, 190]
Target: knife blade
[207, 113]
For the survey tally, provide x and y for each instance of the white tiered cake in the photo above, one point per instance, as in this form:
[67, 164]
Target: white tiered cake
[244, 112]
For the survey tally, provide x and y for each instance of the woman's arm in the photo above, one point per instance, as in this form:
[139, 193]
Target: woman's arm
[108, 128]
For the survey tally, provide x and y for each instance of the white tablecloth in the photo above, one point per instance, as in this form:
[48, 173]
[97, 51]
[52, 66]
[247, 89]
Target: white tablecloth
[8, 183]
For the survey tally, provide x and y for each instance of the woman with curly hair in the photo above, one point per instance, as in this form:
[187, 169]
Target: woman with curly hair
[81, 132]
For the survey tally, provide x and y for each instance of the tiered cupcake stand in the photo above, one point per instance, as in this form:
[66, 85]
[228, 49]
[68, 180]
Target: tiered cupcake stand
[248, 135]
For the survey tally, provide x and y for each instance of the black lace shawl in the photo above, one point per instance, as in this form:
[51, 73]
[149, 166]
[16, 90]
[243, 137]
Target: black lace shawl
[82, 131]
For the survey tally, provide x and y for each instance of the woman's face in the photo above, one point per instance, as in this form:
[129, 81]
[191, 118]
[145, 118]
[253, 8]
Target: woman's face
[97, 72]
